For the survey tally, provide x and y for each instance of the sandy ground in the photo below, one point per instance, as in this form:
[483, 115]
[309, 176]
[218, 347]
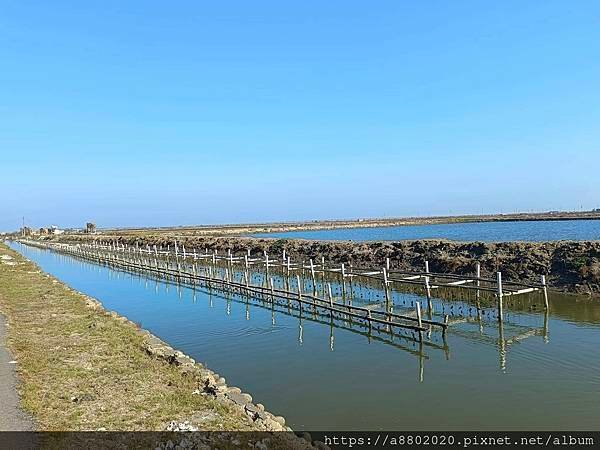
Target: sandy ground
[11, 416]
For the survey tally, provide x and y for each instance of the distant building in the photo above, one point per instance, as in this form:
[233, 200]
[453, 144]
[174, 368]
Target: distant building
[44, 231]
[90, 228]
[55, 230]
[26, 231]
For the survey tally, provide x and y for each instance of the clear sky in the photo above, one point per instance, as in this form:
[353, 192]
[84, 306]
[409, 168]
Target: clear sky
[168, 113]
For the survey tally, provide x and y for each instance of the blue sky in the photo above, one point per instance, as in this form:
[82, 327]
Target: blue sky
[169, 113]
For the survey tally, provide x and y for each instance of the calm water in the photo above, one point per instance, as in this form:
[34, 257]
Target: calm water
[480, 231]
[321, 376]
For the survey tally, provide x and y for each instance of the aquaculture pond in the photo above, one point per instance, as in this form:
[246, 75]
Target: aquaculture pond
[539, 370]
[548, 230]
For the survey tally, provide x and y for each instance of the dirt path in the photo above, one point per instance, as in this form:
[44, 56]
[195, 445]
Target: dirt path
[11, 416]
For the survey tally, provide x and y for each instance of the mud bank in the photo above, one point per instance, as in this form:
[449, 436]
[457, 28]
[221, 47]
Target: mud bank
[570, 266]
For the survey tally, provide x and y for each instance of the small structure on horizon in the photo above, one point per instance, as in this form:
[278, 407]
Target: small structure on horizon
[90, 228]
[26, 231]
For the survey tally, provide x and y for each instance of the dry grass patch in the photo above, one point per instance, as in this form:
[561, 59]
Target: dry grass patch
[84, 369]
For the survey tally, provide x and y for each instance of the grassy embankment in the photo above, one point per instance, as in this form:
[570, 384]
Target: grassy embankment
[82, 368]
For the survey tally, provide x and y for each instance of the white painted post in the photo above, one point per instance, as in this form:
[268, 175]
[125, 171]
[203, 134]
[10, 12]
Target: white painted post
[478, 276]
[312, 274]
[299, 286]
[385, 289]
[418, 309]
[427, 286]
[420, 320]
[344, 282]
[500, 295]
[545, 288]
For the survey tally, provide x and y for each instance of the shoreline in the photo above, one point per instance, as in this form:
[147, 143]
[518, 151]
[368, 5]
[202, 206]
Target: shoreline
[228, 407]
[317, 225]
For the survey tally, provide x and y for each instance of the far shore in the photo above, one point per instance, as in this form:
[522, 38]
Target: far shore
[279, 227]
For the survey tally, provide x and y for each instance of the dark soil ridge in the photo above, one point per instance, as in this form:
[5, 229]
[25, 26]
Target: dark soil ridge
[570, 266]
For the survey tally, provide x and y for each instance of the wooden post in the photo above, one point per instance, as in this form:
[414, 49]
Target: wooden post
[272, 290]
[446, 322]
[330, 294]
[500, 295]
[545, 288]
[387, 264]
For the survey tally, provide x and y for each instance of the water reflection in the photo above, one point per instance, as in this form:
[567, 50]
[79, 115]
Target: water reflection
[274, 349]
